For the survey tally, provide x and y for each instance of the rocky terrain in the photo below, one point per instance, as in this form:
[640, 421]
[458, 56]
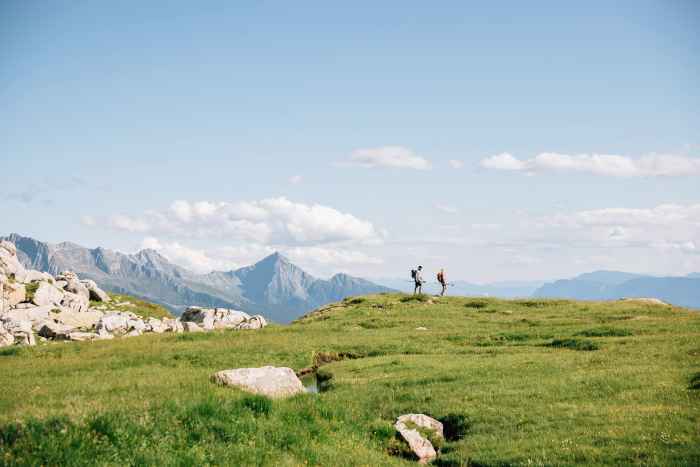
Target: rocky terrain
[37, 305]
[273, 286]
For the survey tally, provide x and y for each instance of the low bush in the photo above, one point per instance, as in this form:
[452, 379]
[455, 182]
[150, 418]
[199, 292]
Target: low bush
[573, 344]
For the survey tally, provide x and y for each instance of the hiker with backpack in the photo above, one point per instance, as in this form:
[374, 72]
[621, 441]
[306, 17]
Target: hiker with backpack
[442, 281]
[418, 279]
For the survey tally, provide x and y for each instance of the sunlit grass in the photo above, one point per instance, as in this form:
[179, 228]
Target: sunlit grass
[491, 372]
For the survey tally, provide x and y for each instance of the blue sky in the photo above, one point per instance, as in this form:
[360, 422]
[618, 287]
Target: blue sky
[501, 141]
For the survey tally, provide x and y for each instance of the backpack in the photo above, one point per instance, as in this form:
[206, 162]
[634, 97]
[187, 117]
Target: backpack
[440, 278]
[413, 274]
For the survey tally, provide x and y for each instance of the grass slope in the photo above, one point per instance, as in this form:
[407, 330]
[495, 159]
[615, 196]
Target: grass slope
[516, 382]
[122, 302]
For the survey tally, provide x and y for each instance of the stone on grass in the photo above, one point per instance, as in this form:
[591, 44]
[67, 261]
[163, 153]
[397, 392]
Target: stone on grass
[274, 382]
[13, 294]
[96, 293]
[56, 331]
[408, 426]
[21, 331]
[190, 326]
[47, 294]
[75, 302]
[254, 322]
[5, 337]
[83, 336]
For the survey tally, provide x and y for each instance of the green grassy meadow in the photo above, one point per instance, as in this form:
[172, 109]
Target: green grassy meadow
[521, 382]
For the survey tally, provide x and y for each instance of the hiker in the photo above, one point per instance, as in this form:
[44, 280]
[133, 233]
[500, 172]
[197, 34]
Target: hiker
[442, 281]
[418, 279]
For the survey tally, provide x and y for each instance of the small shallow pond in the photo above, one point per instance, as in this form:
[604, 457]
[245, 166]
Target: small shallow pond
[310, 382]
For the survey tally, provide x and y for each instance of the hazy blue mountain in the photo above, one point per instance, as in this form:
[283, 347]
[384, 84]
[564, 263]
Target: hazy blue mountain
[506, 289]
[273, 286]
[611, 285]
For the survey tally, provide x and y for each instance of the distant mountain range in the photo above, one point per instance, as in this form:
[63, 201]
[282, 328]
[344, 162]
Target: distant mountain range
[273, 286]
[597, 285]
[508, 289]
[611, 285]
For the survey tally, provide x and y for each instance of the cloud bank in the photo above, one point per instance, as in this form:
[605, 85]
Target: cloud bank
[598, 164]
[397, 157]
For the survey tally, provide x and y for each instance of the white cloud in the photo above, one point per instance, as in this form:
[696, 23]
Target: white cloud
[88, 221]
[455, 164]
[122, 222]
[389, 156]
[190, 258]
[233, 257]
[267, 221]
[296, 179]
[446, 209]
[330, 256]
[503, 161]
[599, 164]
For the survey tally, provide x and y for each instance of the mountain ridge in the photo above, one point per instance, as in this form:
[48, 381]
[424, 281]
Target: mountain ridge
[273, 286]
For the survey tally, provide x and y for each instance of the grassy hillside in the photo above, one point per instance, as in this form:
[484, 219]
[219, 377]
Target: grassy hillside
[516, 382]
[122, 302]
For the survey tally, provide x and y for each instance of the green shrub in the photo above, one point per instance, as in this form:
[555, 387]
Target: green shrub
[421, 297]
[30, 290]
[694, 381]
[574, 344]
[477, 304]
[604, 332]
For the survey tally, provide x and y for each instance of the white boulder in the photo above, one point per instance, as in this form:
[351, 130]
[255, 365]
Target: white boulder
[47, 294]
[407, 425]
[190, 326]
[114, 323]
[274, 382]
[56, 331]
[96, 293]
[13, 294]
[20, 330]
[254, 322]
[75, 302]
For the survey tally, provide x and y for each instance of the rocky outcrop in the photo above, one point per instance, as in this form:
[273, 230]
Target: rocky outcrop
[222, 318]
[47, 294]
[59, 308]
[416, 430]
[274, 382]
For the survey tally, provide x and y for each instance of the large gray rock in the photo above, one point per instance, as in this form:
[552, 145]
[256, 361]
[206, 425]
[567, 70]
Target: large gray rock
[229, 319]
[9, 264]
[78, 288]
[203, 317]
[35, 276]
[136, 324]
[9, 248]
[407, 426]
[173, 325]
[219, 318]
[33, 314]
[274, 382]
[75, 302]
[56, 331]
[47, 294]
[96, 293]
[114, 323]
[20, 330]
[83, 336]
[5, 337]
[190, 326]
[13, 293]
[155, 325]
[254, 322]
[86, 320]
